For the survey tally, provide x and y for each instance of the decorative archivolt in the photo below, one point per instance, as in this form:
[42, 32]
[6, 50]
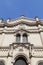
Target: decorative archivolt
[22, 55]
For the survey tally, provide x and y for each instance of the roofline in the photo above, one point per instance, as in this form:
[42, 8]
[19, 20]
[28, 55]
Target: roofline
[22, 19]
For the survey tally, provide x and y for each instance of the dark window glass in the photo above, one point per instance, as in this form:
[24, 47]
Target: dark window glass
[1, 63]
[41, 63]
[20, 61]
[18, 38]
[25, 38]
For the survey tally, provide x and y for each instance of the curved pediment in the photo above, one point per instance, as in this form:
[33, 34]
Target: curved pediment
[25, 20]
[22, 20]
[18, 21]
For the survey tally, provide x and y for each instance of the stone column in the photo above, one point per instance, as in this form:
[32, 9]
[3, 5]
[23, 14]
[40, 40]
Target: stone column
[41, 33]
[41, 36]
[28, 39]
[12, 61]
[30, 49]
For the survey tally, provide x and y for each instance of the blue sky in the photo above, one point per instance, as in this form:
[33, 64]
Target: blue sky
[15, 8]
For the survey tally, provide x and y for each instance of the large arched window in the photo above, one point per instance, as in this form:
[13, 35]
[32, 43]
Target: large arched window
[20, 61]
[2, 63]
[25, 38]
[41, 63]
[18, 38]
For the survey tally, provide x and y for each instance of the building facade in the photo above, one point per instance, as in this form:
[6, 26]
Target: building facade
[21, 41]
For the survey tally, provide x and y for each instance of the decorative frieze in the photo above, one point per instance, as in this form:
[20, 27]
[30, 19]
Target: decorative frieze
[38, 52]
[8, 51]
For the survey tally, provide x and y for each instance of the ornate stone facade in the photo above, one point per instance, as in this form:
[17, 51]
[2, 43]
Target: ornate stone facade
[28, 44]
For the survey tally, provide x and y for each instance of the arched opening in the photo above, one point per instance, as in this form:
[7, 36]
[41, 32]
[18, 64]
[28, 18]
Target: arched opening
[18, 38]
[25, 38]
[40, 63]
[2, 63]
[20, 61]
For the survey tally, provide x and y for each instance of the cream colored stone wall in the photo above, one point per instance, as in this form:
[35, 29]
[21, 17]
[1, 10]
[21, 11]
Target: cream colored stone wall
[10, 49]
[35, 39]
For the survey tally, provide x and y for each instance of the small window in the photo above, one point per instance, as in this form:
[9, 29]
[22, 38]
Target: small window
[18, 38]
[41, 63]
[25, 38]
[2, 63]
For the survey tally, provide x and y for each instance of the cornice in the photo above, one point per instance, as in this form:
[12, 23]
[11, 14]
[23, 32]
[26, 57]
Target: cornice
[4, 26]
[37, 56]
[24, 20]
[39, 47]
[17, 30]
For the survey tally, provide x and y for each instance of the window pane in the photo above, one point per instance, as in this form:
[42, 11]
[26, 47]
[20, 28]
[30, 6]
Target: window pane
[18, 38]
[25, 39]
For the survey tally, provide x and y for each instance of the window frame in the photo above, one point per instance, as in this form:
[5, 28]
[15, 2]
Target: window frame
[18, 38]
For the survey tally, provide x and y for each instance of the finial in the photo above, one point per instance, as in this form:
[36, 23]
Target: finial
[36, 18]
[22, 16]
[1, 19]
[8, 20]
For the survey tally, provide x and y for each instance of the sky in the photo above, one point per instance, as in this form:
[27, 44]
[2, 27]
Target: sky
[15, 8]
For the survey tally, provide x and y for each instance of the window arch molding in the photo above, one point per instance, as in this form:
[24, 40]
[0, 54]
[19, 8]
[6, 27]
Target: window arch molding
[39, 62]
[20, 60]
[2, 62]
[21, 56]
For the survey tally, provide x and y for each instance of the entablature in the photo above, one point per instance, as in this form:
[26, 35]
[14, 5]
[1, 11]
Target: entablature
[10, 31]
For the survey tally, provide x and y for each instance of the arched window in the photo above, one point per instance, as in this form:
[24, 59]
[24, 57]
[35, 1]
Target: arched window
[41, 63]
[25, 38]
[18, 38]
[20, 61]
[2, 63]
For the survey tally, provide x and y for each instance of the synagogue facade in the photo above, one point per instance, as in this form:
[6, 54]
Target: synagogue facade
[21, 41]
